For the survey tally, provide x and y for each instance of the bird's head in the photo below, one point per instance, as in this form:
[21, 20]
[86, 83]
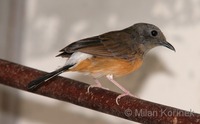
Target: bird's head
[149, 36]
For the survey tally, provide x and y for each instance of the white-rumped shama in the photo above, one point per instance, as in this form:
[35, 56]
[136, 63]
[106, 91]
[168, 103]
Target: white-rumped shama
[115, 53]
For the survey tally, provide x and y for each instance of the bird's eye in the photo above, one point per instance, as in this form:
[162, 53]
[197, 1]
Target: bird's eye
[154, 33]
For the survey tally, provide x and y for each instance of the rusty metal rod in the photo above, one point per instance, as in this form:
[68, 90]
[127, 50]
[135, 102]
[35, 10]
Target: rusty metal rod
[98, 99]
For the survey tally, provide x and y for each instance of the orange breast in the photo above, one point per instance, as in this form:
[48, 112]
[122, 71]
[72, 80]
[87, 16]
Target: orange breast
[99, 66]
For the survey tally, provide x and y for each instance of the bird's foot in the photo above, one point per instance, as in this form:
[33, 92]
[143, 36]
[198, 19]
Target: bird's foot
[122, 95]
[96, 85]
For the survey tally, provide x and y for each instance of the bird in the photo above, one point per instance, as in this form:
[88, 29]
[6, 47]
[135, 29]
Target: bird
[112, 54]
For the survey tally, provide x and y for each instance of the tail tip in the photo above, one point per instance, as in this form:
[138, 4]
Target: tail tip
[31, 86]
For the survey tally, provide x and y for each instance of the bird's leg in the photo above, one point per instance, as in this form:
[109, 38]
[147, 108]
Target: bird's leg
[126, 92]
[97, 84]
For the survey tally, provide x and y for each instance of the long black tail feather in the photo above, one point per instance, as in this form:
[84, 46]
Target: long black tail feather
[38, 82]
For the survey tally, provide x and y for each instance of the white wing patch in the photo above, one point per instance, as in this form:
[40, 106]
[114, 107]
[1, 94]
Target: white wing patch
[77, 57]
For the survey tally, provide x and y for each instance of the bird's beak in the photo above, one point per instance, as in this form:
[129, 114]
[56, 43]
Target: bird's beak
[168, 45]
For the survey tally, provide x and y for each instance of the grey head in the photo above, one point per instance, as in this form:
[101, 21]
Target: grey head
[148, 36]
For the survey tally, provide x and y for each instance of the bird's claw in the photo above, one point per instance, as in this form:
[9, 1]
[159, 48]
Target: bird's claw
[122, 95]
[96, 85]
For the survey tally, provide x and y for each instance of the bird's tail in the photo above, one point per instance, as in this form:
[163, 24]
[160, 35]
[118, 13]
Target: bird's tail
[35, 83]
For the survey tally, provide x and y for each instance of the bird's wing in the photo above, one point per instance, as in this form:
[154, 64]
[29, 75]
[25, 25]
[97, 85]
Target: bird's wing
[111, 44]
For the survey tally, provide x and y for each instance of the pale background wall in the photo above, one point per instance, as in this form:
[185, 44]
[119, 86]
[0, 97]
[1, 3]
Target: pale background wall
[33, 31]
